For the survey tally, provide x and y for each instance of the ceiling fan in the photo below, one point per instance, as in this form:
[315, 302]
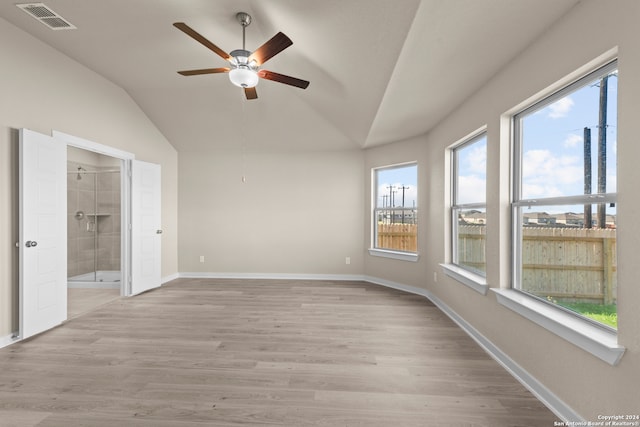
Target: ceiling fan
[244, 70]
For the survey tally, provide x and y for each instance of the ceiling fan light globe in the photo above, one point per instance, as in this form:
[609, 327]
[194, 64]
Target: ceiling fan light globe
[243, 77]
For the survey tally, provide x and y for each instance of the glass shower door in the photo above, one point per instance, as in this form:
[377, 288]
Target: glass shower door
[93, 201]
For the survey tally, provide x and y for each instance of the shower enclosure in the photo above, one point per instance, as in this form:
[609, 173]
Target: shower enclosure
[93, 223]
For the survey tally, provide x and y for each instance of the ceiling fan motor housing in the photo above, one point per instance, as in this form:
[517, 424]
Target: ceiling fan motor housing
[243, 73]
[240, 57]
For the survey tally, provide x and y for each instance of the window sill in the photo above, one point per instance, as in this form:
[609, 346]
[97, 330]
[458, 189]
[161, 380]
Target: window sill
[599, 342]
[403, 256]
[466, 277]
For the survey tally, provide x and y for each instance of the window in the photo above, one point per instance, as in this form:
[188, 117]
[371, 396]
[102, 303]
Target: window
[469, 209]
[395, 214]
[564, 201]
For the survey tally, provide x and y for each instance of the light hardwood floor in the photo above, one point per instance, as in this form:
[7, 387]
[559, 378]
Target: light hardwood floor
[84, 300]
[275, 353]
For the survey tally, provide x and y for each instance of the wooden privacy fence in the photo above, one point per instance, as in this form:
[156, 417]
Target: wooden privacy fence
[573, 264]
[399, 237]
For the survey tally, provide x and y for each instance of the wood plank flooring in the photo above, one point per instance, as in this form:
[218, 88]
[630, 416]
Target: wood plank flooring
[83, 300]
[261, 352]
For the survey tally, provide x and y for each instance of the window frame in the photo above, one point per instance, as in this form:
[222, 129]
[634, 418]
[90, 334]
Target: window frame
[593, 337]
[518, 203]
[456, 208]
[387, 252]
[465, 276]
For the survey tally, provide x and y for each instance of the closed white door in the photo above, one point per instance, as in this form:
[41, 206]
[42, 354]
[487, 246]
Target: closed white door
[146, 230]
[43, 233]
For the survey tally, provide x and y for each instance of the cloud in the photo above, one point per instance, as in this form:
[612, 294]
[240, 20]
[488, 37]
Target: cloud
[475, 160]
[612, 183]
[572, 140]
[472, 173]
[560, 108]
[472, 189]
[547, 175]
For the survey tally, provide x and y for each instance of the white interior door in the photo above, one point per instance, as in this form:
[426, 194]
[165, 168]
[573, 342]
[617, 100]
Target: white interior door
[146, 231]
[43, 233]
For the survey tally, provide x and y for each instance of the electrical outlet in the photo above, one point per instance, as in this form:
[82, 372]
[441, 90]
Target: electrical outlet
[201, 258]
[347, 260]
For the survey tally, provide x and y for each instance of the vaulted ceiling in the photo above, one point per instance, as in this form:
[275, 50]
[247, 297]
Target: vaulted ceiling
[380, 70]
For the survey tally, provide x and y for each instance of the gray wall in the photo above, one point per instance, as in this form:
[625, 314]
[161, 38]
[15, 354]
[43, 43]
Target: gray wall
[296, 213]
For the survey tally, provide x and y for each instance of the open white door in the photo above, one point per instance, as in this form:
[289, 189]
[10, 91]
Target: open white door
[43, 233]
[145, 227]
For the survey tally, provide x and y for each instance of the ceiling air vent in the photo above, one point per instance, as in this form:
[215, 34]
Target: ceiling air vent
[48, 17]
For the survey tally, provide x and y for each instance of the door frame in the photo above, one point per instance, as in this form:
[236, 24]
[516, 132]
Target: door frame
[125, 187]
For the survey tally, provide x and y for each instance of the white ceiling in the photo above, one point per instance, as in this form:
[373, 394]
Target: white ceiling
[380, 70]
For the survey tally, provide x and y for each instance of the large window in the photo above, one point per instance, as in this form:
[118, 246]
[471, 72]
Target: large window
[395, 217]
[564, 202]
[468, 211]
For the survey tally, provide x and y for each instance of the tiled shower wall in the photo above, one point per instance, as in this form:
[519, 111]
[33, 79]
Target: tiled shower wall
[81, 228]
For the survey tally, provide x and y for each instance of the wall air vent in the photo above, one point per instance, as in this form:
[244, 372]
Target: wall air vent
[48, 17]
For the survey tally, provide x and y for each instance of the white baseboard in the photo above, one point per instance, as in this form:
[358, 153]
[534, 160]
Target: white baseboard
[9, 339]
[546, 396]
[272, 276]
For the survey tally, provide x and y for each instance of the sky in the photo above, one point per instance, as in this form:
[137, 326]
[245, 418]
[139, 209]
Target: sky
[553, 154]
[553, 149]
[472, 172]
[398, 177]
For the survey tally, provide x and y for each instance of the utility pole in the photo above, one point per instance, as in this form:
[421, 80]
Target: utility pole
[393, 205]
[403, 188]
[587, 176]
[390, 187]
[602, 150]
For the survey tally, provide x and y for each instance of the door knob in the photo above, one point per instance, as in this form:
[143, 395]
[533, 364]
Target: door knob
[158, 231]
[31, 244]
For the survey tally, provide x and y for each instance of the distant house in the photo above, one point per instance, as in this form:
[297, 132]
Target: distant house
[398, 216]
[570, 219]
[538, 218]
[474, 217]
[567, 219]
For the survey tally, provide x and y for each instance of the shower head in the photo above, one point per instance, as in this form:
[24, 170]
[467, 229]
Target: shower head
[80, 169]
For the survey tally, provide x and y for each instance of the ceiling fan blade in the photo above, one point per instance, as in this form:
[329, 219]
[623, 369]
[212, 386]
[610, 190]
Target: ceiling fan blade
[271, 48]
[200, 38]
[204, 71]
[281, 78]
[250, 92]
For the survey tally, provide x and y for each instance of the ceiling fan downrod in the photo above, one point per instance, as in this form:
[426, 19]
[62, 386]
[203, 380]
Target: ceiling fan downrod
[245, 20]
